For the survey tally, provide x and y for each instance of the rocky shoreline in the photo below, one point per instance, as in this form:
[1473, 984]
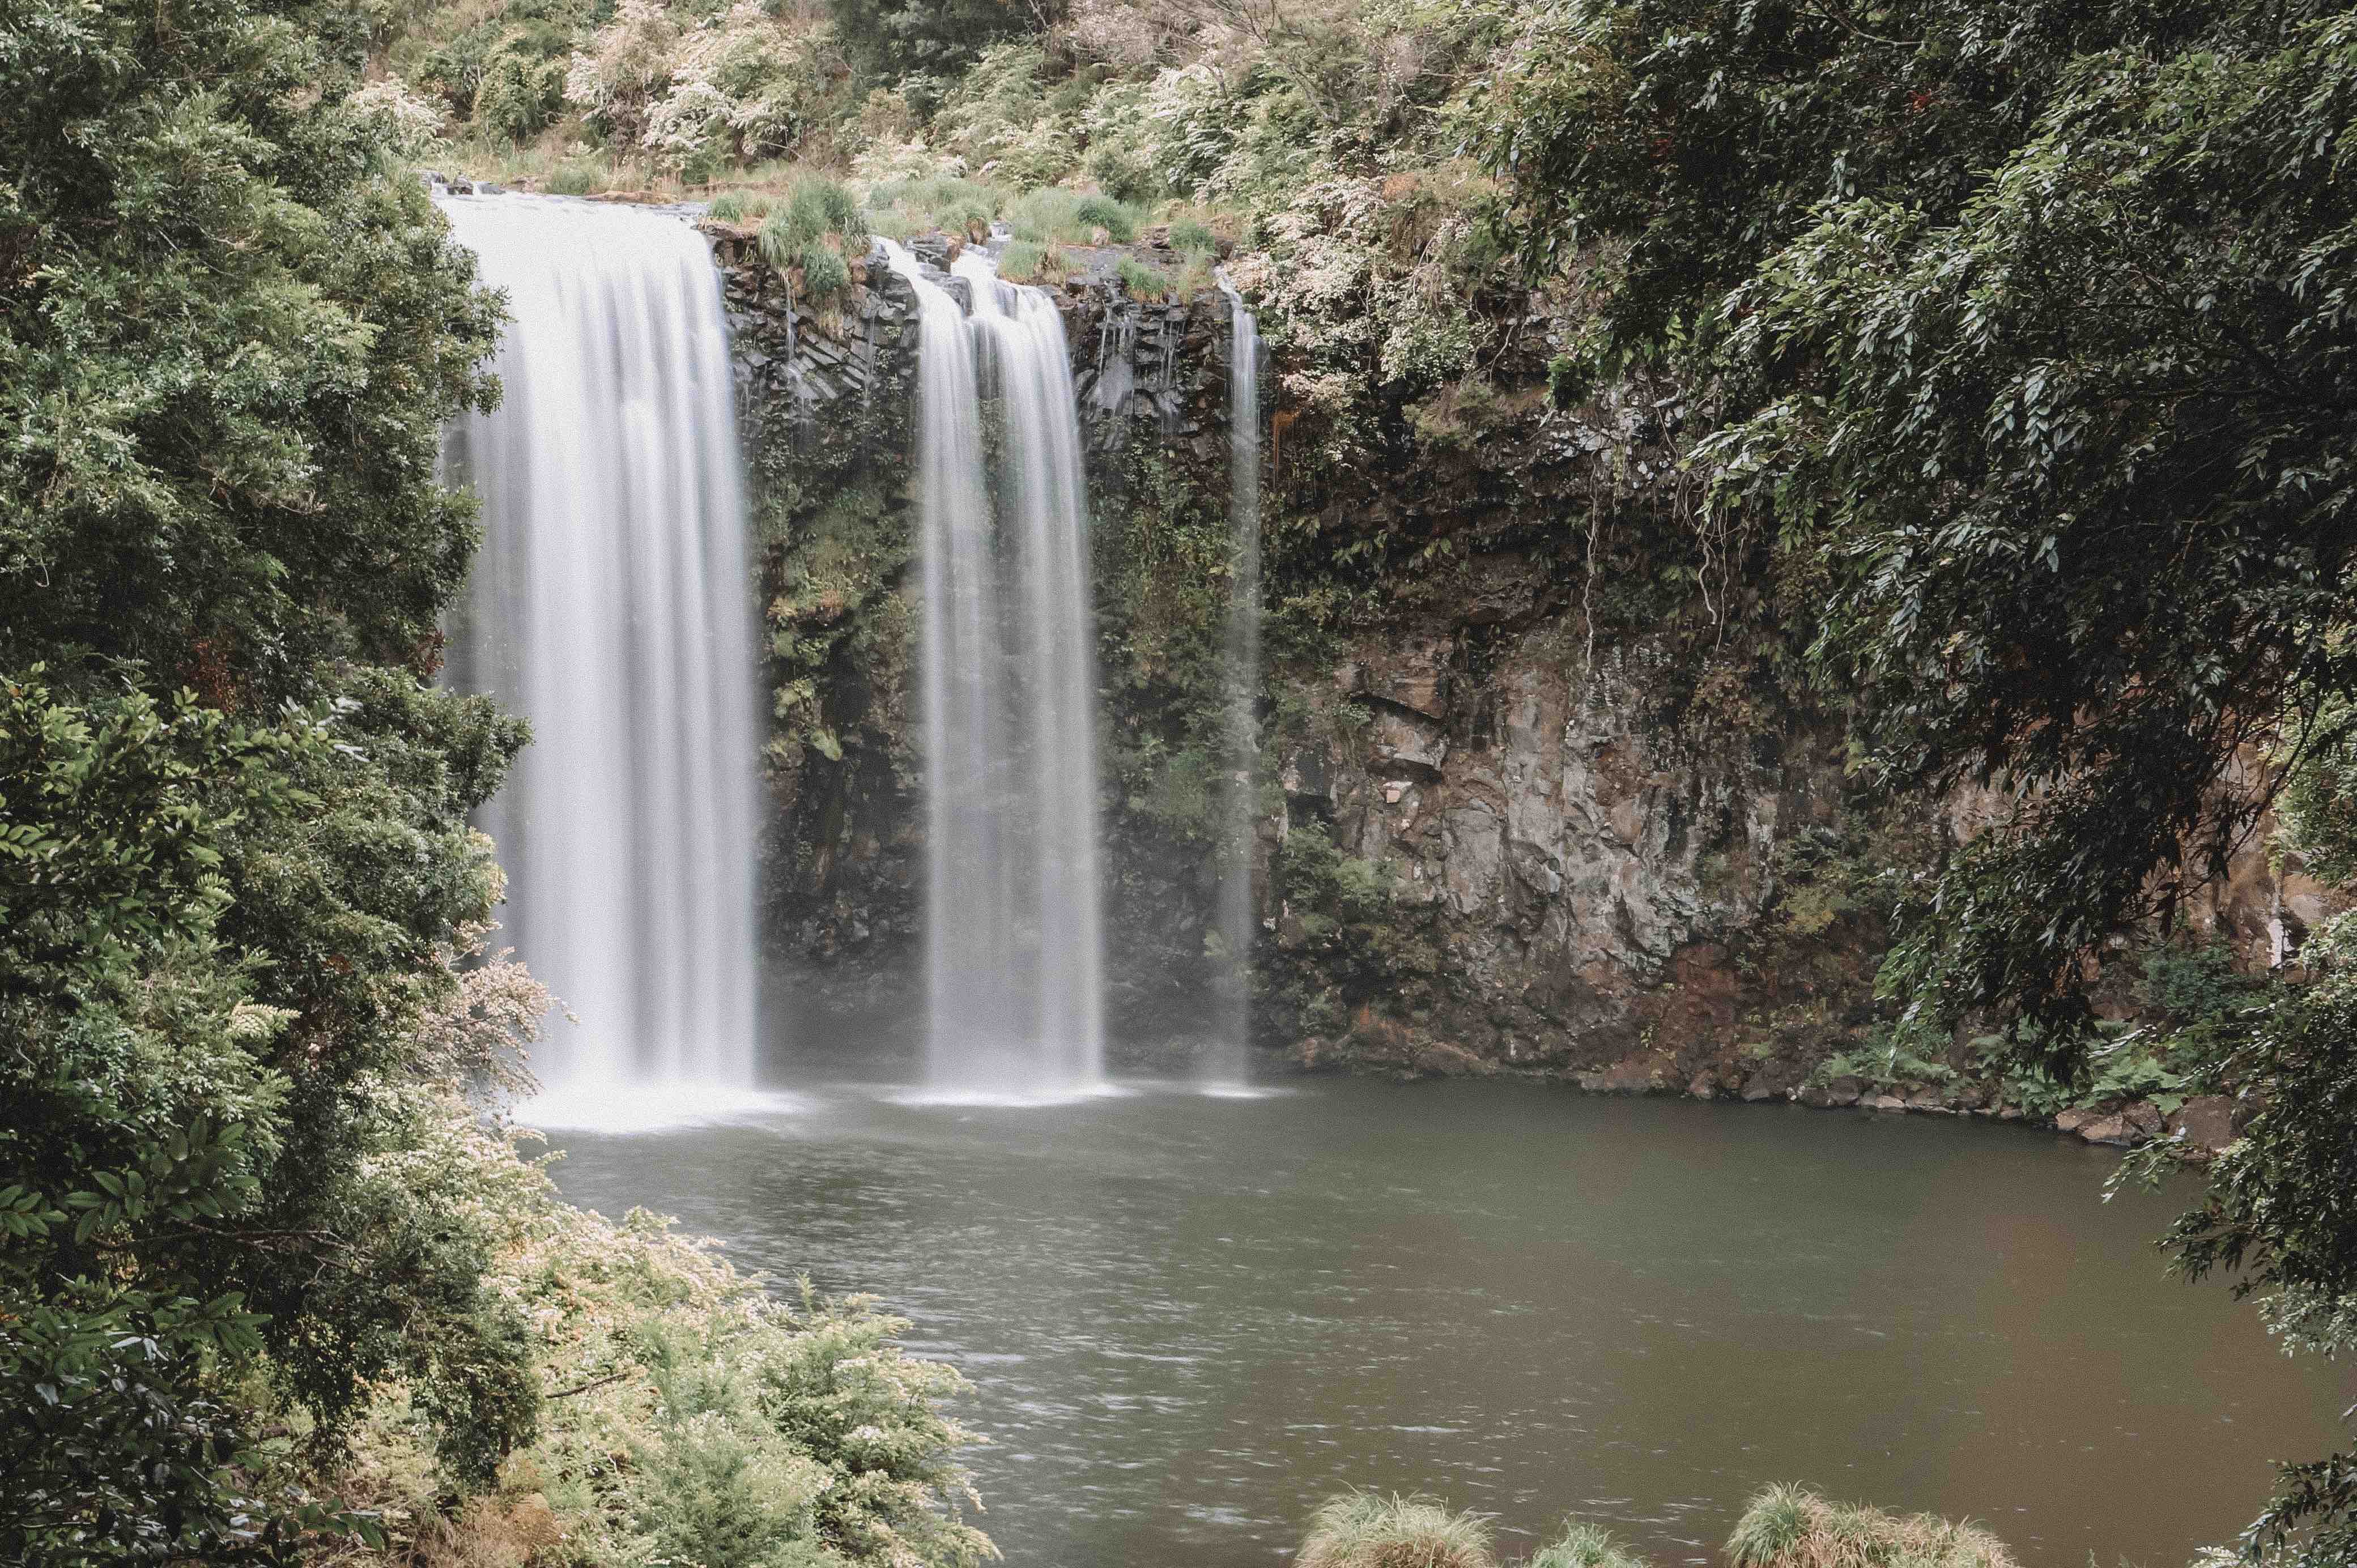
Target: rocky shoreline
[2205, 1124]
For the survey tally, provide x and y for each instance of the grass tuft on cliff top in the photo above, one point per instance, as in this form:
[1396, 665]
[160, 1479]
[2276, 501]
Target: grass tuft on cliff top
[1791, 1526]
[1369, 1529]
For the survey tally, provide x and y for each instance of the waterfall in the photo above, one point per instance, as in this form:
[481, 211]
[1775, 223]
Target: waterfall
[1236, 922]
[611, 606]
[1015, 943]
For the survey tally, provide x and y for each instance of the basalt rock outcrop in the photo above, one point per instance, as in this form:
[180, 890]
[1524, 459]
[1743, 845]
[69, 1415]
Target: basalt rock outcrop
[826, 392]
[1522, 811]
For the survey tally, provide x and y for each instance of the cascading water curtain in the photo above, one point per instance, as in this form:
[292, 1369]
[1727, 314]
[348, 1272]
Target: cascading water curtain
[1015, 929]
[611, 606]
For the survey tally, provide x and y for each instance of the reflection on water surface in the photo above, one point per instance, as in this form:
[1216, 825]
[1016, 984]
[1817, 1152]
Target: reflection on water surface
[1190, 1318]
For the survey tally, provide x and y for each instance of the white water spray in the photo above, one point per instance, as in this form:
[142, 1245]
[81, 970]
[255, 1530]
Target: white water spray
[1015, 942]
[610, 606]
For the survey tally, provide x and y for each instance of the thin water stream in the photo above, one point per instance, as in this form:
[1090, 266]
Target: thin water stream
[1188, 1318]
[1240, 660]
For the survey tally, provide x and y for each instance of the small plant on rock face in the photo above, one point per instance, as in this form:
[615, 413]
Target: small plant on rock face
[1104, 212]
[1143, 282]
[1021, 262]
[818, 210]
[824, 270]
[1187, 234]
[1369, 1529]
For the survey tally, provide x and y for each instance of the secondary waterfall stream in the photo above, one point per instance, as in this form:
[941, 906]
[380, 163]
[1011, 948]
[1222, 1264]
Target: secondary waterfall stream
[610, 606]
[1014, 929]
[1241, 657]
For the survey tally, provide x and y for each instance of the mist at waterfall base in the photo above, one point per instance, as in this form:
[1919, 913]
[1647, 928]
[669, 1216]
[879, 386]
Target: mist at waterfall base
[609, 604]
[1014, 930]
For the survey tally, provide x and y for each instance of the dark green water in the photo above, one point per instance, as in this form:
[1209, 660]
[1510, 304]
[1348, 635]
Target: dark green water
[1189, 1319]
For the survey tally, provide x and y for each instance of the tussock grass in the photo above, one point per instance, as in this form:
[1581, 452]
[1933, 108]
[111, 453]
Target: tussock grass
[1791, 1526]
[1023, 261]
[1050, 213]
[1369, 1529]
[1584, 1545]
[1190, 233]
[1117, 219]
[941, 201]
[742, 207]
[1144, 282]
[817, 228]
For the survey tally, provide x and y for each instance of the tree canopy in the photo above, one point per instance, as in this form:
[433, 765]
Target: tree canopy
[235, 867]
[2024, 334]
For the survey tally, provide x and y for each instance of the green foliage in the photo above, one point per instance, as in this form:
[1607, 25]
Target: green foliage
[1144, 282]
[819, 216]
[1584, 1546]
[2318, 804]
[1955, 384]
[230, 328]
[999, 118]
[2196, 985]
[574, 179]
[1104, 212]
[1567, 380]
[133, 1093]
[1771, 1528]
[1189, 234]
[836, 612]
[817, 206]
[937, 38]
[183, 1160]
[1883, 1061]
[700, 1417]
[521, 94]
[2028, 331]
[1022, 262]
[939, 202]
[1431, 341]
[1791, 1526]
[2280, 1217]
[824, 270]
[2132, 1067]
[1163, 559]
[1342, 923]
[1369, 1529]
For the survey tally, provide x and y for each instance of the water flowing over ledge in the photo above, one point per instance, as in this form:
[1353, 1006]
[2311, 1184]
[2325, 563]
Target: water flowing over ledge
[1014, 929]
[610, 606]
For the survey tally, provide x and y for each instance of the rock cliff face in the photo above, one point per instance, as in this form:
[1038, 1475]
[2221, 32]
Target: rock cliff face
[1524, 806]
[826, 392]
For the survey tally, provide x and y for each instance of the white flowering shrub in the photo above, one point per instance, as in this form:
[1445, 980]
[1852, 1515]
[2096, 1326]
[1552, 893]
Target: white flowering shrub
[616, 81]
[410, 123]
[696, 92]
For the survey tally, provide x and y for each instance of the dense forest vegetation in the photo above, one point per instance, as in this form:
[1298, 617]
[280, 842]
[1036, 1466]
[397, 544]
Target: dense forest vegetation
[268, 1284]
[2006, 353]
